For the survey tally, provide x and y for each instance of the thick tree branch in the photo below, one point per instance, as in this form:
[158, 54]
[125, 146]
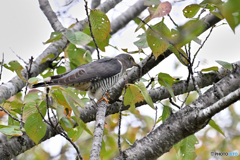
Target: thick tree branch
[98, 130]
[131, 13]
[51, 16]
[95, 3]
[221, 104]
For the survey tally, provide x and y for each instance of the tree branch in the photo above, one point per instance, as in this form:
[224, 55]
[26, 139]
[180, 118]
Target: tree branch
[51, 16]
[131, 13]
[98, 130]
[95, 3]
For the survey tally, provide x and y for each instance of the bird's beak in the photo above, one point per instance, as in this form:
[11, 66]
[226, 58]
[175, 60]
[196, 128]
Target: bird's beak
[135, 64]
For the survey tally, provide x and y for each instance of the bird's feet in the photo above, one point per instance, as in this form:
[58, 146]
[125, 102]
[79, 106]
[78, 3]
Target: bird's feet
[105, 99]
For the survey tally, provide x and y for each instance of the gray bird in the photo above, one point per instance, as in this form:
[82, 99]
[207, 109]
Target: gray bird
[95, 77]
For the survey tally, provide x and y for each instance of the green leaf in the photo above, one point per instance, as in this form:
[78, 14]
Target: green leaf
[75, 55]
[214, 68]
[133, 95]
[75, 133]
[186, 148]
[216, 127]
[61, 70]
[48, 57]
[68, 99]
[151, 2]
[12, 122]
[33, 80]
[231, 11]
[8, 67]
[165, 113]
[103, 150]
[225, 65]
[83, 125]
[145, 94]
[157, 37]
[48, 74]
[100, 24]
[188, 32]
[55, 36]
[78, 37]
[31, 97]
[17, 67]
[87, 56]
[35, 127]
[75, 98]
[141, 24]
[138, 22]
[191, 10]
[142, 42]
[10, 130]
[180, 56]
[166, 80]
[43, 107]
[29, 109]
[66, 124]
[60, 111]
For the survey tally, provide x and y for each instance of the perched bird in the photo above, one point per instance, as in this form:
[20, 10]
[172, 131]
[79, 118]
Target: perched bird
[95, 77]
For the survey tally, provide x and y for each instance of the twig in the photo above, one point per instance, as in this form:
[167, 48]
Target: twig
[202, 11]
[185, 99]
[155, 120]
[172, 20]
[2, 66]
[120, 122]
[146, 24]
[9, 114]
[151, 80]
[21, 119]
[42, 116]
[174, 104]
[18, 56]
[47, 104]
[90, 27]
[29, 74]
[195, 55]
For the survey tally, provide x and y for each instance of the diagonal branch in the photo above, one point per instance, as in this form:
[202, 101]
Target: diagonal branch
[131, 13]
[95, 4]
[51, 16]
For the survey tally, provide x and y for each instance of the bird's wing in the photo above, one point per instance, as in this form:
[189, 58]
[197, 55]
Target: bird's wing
[93, 71]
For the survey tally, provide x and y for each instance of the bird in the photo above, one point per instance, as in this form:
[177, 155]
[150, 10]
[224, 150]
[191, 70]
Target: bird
[95, 77]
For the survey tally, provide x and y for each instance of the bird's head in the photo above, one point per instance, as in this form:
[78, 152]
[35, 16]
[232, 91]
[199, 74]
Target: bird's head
[126, 60]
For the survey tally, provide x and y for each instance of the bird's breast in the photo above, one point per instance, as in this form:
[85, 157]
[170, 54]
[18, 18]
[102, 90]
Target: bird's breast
[82, 86]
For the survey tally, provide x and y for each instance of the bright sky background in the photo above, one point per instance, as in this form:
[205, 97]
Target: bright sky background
[24, 28]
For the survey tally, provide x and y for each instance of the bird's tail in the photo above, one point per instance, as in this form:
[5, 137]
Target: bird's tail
[41, 84]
